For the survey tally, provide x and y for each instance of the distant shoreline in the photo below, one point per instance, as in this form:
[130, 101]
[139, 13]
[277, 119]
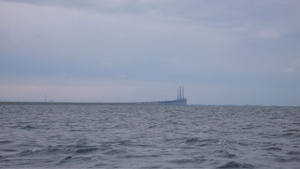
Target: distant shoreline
[124, 103]
[85, 103]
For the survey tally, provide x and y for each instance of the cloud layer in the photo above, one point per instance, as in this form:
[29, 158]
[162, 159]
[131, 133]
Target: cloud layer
[233, 52]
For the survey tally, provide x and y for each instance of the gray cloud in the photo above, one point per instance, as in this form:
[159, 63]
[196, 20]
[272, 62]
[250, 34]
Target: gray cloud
[209, 46]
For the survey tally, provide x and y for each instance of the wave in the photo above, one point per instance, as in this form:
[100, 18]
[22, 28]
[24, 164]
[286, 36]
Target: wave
[29, 152]
[273, 149]
[291, 134]
[67, 158]
[115, 152]
[6, 142]
[75, 160]
[187, 161]
[202, 142]
[233, 164]
[28, 127]
[287, 159]
[45, 151]
[224, 154]
[86, 150]
[294, 153]
[192, 140]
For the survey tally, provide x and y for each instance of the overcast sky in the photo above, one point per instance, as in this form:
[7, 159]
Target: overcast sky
[223, 52]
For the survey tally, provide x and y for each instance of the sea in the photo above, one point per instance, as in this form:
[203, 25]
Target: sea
[148, 136]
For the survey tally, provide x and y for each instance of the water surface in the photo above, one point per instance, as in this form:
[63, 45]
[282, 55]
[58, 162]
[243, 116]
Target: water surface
[143, 136]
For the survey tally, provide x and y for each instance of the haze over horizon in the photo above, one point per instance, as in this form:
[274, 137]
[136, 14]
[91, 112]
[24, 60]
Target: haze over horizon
[223, 52]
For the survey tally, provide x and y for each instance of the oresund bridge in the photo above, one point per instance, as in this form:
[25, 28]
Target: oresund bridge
[181, 100]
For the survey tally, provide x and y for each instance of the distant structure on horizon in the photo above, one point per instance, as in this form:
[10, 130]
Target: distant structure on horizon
[180, 101]
[180, 98]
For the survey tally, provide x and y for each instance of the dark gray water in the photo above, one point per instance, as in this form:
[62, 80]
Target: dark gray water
[128, 136]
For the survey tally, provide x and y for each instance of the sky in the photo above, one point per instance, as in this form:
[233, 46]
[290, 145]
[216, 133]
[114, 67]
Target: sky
[223, 52]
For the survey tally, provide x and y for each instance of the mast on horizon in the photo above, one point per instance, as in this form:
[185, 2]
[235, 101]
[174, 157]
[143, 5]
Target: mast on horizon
[180, 92]
[177, 92]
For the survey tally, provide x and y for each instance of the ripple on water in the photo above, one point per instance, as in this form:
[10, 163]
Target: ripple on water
[287, 159]
[294, 153]
[75, 160]
[115, 152]
[126, 142]
[233, 164]
[28, 127]
[86, 150]
[29, 152]
[273, 149]
[192, 140]
[49, 150]
[224, 154]
[201, 142]
[187, 161]
[291, 134]
[64, 160]
[6, 142]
